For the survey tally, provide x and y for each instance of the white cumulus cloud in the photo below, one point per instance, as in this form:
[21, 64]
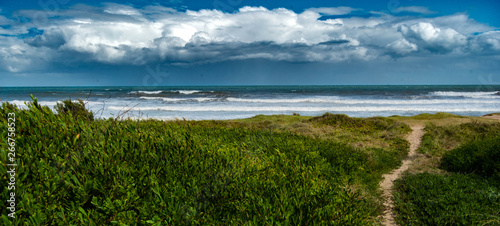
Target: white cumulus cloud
[119, 34]
[433, 38]
[333, 11]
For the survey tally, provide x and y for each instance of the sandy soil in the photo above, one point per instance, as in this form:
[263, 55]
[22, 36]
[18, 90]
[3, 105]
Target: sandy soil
[388, 182]
[497, 117]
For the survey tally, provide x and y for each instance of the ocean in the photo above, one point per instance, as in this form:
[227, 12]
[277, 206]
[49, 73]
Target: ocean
[234, 102]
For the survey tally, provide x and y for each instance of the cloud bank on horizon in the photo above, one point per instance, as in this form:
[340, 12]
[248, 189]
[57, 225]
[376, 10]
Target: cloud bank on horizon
[115, 34]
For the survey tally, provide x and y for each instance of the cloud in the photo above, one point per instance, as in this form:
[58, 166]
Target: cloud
[118, 9]
[401, 47]
[53, 38]
[333, 11]
[123, 35]
[16, 56]
[434, 39]
[486, 43]
[4, 20]
[414, 9]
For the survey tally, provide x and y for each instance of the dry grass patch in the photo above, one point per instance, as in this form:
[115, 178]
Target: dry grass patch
[375, 132]
[441, 119]
[425, 163]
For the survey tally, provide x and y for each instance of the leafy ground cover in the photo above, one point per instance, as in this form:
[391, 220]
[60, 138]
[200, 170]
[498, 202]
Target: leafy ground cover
[481, 157]
[456, 199]
[77, 170]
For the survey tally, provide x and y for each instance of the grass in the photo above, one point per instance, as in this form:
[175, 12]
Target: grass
[262, 170]
[427, 116]
[375, 132]
[481, 157]
[466, 188]
[440, 119]
[382, 139]
[439, 139]
[456, 199]
[279, 169]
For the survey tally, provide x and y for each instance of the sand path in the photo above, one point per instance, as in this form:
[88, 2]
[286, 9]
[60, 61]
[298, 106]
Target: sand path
[388, 182]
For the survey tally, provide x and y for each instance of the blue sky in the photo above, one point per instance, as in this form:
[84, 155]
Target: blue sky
[243, 42]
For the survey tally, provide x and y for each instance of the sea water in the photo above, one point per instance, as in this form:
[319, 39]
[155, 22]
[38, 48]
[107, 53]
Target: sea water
[233, 102]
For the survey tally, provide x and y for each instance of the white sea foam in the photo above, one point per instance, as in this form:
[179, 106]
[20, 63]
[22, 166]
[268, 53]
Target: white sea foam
[224, 108]
[167, 99]
[466, 94]
[52, 104]
[159, 98]
[365, 101]
[21, 103]
[146, 92]
[298, 100]
[188, 91]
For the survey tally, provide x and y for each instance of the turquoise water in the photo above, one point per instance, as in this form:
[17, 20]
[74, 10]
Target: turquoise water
[229, 102]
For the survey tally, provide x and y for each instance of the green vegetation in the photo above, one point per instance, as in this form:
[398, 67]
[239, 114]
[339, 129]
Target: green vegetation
[279, 169]
[77, 171]
[375, 132]
[75, 108]
[469, 192]
[441, 119]
[427, 116]
[439, 139]
[457, 199]
[381, 139]
[481, 157]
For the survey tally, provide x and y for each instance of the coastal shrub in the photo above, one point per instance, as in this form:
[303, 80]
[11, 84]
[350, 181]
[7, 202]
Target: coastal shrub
[367, 125]
[340, 120]
[456, 199]
[481, 157]
[76, 171]
[75, 108]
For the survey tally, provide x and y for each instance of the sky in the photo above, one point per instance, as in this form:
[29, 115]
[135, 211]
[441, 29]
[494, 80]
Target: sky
[249, 42]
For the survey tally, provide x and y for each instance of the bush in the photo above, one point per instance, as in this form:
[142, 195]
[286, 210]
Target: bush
[76, 109]
[481, 157]
[364, 125]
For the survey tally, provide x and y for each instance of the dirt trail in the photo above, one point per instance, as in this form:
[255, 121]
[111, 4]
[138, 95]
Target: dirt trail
[388, 182]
